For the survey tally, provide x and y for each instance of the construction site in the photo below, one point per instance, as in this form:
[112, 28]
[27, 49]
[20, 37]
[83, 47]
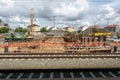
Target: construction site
[58, 49]
[57, 45]
[57, 42]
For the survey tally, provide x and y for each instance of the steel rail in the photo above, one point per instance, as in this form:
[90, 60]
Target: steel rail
[60, 56]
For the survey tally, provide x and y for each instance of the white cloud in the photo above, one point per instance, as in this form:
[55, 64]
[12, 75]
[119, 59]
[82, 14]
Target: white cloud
[107, 8]
[108, 11]
[66, 11]
[26, 20]
[109, 15]
[18, 11]
[86, 23]
[72, 9]
[99, 16]
[14, 10]
[6, 3]
[16, 19]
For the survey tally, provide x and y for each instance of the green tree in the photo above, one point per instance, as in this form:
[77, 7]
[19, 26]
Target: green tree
[4, 29]
[18, 29]
[24, 30]
[43, 29]
[21, 30]
[78, 31]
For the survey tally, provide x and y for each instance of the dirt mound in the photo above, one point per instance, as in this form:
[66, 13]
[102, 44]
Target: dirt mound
[54, 39]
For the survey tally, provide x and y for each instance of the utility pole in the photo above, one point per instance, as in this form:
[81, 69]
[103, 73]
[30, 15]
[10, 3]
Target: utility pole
[94, 31]
[94, 26]
[108, 21]
[76, 26]
[54, 19]
[76, 30]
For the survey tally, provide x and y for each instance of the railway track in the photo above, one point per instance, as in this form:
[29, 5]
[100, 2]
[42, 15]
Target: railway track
[59, 61]
[13, 56]
[75, 74]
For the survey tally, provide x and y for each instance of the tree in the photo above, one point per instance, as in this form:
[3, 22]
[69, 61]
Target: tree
[24, 30]
[18, 29]
[78, 31]
[4, 30]
[21, 30]
[43, 29]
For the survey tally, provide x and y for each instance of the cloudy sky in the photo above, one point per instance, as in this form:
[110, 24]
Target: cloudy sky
[85, 12]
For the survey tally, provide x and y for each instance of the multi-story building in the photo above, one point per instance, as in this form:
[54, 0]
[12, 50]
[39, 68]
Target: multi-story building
[111, 28]
[34, 28]
[95, 31]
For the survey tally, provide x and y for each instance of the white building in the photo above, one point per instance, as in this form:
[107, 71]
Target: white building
[34, 29]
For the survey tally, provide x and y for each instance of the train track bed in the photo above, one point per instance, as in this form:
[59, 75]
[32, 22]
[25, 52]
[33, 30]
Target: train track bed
[59, 55]
[59, 61]
[73, 74]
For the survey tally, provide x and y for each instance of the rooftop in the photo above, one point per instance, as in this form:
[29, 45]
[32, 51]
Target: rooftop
[33, 25]
[110, 26]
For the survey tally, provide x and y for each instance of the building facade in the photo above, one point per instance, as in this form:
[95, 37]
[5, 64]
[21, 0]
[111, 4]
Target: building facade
[90, 32]
[111, 28]
[34, 29]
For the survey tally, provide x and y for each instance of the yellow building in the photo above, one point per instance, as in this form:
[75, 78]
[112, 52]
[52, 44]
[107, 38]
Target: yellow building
[70, 29]
[107, 34]
[96, 32]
